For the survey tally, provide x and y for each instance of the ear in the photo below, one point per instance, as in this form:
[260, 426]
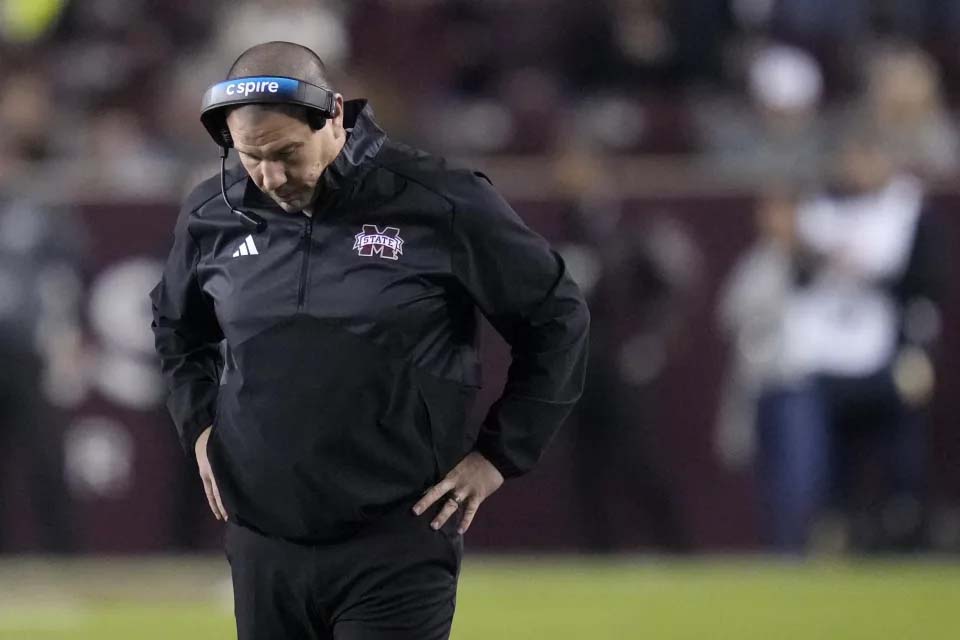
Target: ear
[338, 115]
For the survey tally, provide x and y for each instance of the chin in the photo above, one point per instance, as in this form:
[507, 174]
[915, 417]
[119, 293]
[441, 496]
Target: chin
[289, 207]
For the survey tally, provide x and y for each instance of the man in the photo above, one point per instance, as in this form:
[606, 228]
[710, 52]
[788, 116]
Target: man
[337, 414]
[839, 310]
[41, 250]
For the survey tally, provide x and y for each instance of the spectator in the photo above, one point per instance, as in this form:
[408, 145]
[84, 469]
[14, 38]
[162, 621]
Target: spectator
[904, 98]
[842, 423]
[639, 281]
[780, 137]
[751, 315]
[39, 252]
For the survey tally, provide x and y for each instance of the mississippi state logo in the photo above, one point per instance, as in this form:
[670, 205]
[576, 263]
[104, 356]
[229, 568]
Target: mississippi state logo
[386, 244]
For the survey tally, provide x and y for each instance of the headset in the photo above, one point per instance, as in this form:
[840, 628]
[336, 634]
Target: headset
[320, 104]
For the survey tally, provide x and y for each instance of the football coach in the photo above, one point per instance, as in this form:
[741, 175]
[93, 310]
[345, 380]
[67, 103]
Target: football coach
[316, 323]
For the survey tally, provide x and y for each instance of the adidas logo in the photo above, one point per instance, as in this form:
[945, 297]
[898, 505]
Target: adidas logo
[247, 248]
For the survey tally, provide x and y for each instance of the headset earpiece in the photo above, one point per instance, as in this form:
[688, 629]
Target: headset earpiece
[226, 139]
[315, 119]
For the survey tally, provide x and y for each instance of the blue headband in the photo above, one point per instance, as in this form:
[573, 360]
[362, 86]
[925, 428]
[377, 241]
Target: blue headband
[260, 90]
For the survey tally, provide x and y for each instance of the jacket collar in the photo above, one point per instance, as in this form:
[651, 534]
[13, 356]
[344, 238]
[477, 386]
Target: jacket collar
[364, 140]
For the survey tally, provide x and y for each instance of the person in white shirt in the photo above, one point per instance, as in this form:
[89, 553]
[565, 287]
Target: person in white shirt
[844, 366]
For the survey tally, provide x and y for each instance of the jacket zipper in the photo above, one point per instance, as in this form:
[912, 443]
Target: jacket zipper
[305, 264]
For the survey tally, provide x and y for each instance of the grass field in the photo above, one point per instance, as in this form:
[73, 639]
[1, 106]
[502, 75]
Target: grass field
[551, 598]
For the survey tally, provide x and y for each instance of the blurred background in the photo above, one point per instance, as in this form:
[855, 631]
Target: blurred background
[757, 196]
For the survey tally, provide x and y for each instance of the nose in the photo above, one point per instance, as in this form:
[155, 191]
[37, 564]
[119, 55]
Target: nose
[274, 175]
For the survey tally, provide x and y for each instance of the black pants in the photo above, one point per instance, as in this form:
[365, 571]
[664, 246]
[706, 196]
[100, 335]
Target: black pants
[843, 442]
[396, 579]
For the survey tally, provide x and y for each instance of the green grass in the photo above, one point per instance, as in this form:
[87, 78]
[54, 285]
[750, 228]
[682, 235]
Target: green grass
[550, 598]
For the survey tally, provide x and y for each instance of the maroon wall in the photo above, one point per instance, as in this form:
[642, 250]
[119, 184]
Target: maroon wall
[163, 505]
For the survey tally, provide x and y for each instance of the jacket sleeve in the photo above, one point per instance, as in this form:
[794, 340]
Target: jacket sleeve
[523, 288]
[187, 337]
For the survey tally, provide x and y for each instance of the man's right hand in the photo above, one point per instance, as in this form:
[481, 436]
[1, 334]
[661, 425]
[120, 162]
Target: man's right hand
[206, 474]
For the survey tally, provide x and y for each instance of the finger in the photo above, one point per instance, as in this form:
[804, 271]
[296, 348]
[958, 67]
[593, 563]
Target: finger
[435, 492]
[449, 508]
[469, 510]
[209, 492]
[216, 495]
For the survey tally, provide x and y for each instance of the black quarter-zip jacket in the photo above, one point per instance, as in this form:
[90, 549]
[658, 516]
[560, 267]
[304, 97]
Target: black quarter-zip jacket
[335, 354]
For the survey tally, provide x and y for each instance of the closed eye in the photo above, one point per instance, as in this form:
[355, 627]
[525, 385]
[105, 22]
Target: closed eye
[283, 154]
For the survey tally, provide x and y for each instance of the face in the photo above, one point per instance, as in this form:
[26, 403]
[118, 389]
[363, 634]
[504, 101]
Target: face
[864, 167]
[776, 218]
[282, 154]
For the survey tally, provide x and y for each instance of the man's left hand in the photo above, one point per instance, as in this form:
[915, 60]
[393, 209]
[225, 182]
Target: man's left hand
[465, 487]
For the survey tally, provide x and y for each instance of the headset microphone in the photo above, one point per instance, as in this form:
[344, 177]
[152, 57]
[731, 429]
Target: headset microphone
[252, 220]
[319, 102]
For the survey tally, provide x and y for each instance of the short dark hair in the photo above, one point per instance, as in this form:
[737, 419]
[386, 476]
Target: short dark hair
[279, 58]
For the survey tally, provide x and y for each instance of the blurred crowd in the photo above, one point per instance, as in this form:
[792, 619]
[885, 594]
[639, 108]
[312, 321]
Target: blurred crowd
[835, 117]
[101, 95]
